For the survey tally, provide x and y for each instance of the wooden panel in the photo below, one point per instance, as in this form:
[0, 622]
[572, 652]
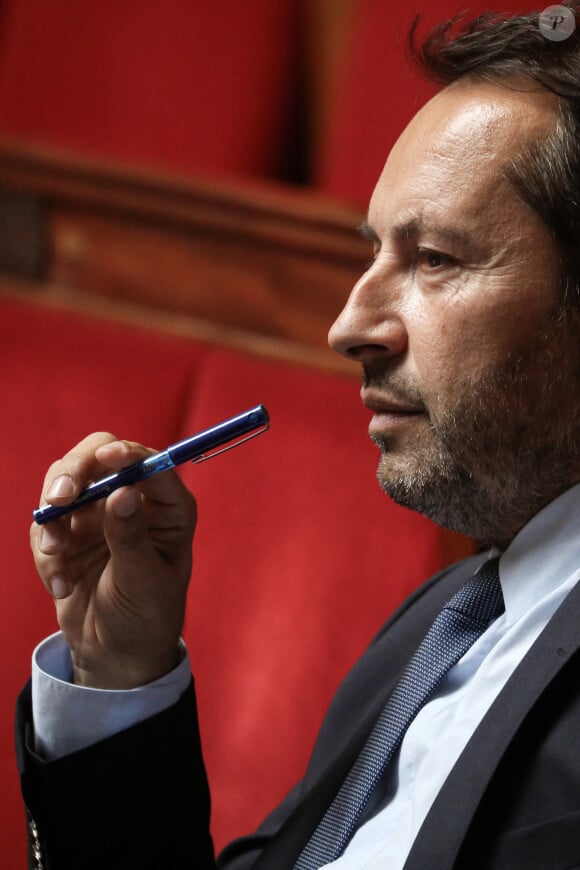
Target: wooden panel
[270, 261]
[22, 234]
[264, 287]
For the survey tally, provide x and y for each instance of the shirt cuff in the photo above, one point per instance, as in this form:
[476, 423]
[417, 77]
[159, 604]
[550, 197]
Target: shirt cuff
[68, 717]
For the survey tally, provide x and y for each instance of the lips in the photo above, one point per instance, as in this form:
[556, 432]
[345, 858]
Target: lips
[384, 405]
[389, 414]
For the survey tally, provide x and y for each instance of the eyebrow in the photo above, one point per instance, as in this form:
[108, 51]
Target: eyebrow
[416, 226]
[366, 231]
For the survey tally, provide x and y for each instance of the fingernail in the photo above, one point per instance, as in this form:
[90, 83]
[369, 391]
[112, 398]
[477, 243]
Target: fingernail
[62, 487]
[48, 540]
[126, 502]
[59, 588]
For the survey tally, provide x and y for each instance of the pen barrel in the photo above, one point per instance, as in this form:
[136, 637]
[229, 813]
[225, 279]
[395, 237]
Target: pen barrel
[195, 448]
[210, 439]
[135, 473]
[100, 489]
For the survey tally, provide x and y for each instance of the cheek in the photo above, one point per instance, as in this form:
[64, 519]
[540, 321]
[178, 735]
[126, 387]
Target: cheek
[480, 323]
[441, 337]
[453, 351]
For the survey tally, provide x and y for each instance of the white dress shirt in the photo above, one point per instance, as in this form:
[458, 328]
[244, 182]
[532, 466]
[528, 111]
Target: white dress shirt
[539, 568]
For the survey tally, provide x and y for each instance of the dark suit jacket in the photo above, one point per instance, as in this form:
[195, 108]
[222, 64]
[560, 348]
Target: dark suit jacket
[140, 799]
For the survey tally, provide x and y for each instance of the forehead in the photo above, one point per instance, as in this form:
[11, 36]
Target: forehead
[452, 156]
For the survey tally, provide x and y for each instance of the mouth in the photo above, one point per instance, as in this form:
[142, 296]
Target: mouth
[381, 404]
[388, 413]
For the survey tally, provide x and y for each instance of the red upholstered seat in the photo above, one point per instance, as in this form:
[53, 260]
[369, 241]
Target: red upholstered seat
[192, 87]
[298, 558]
[377, 90]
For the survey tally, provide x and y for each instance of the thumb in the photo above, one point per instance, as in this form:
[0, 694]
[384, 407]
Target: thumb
[139, 616]
[125, 527]
[125, 502]
[133, 558]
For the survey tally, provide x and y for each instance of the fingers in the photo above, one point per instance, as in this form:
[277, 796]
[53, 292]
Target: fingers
[124, 523]
[66, 477]
[94, 457]
[116, 454]
[159, 515]
[163, 489]
[64, 480]
[63, 557]
[146, 523]
[118, 567]
[48, 543]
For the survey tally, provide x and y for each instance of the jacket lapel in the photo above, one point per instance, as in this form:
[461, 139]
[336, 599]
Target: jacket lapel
[439, 840]
[379, 669]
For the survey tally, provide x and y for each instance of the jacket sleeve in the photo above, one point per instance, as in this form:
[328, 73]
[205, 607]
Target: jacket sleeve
[139, 799]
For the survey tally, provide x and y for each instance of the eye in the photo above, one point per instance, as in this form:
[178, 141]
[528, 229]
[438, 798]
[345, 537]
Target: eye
[432, 259]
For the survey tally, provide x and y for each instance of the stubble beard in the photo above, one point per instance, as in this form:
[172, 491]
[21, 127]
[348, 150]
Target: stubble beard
[505, 445]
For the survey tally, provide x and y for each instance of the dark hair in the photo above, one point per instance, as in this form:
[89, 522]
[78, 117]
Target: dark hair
[494, 48]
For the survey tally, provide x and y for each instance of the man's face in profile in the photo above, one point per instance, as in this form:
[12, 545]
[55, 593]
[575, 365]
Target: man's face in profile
[469, 366]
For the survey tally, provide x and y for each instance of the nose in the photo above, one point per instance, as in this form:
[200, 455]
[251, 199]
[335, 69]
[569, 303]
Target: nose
[369, 327]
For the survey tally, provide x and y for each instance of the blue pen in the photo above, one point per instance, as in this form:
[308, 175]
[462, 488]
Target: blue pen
[196, 448]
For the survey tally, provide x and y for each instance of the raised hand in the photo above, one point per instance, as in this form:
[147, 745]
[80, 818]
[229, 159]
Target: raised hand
[117, 569]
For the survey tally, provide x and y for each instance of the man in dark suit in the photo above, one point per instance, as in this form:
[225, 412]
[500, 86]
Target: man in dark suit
[467, 327]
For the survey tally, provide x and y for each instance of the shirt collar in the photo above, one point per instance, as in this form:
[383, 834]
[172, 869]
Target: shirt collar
[544, 553]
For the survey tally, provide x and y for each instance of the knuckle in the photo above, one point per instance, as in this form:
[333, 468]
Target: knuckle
[95, 439]
[85, 449]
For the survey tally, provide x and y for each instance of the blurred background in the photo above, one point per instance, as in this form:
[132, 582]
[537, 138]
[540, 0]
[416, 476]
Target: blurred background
[308, 92]
[194, 172]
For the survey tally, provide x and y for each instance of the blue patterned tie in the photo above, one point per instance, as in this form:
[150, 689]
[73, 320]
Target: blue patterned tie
[463, 619]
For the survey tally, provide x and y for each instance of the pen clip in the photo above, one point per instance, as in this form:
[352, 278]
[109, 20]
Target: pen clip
[204, 456]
